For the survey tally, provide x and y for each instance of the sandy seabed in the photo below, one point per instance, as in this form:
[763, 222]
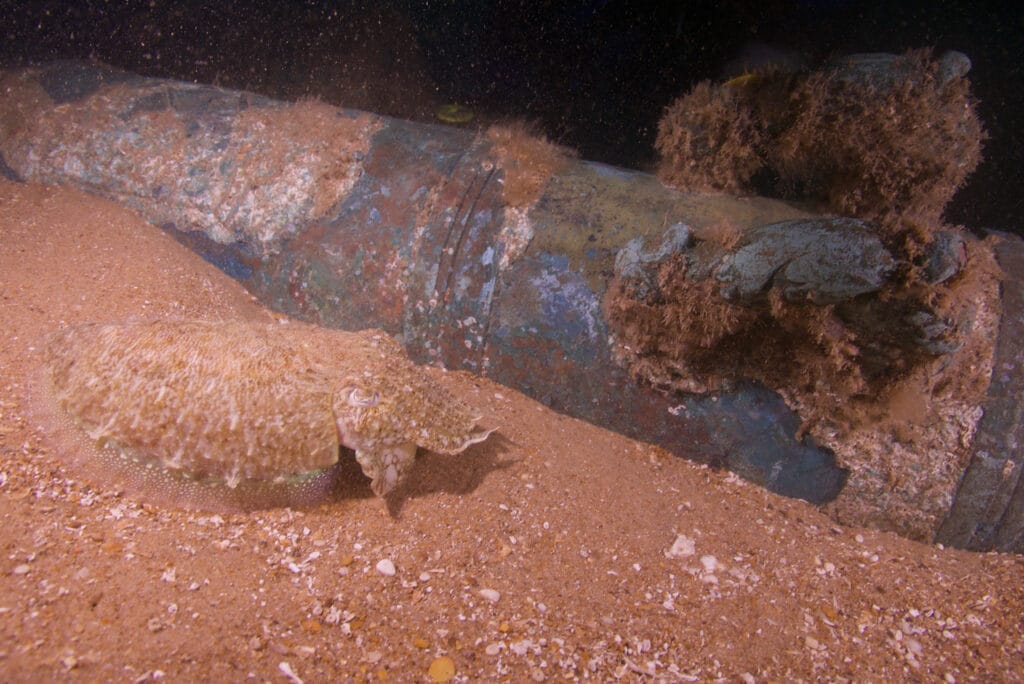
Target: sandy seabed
[554, 551]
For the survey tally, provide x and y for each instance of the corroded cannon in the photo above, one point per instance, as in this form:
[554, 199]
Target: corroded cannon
[718, 327]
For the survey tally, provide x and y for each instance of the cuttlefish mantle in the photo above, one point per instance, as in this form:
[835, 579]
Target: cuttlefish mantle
[250, 409]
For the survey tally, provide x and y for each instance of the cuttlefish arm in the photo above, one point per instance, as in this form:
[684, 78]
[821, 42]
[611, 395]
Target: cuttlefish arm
[384, 432]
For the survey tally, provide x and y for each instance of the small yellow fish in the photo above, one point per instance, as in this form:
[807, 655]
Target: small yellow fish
[743, 80]
[454, 113]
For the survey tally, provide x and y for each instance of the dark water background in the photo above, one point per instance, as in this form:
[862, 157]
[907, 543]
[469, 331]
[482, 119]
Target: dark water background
[592, 74]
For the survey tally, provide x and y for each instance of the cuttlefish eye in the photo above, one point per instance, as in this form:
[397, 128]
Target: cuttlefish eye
[359, 397]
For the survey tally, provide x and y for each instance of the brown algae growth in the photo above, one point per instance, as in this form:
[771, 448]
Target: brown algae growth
[239, 415]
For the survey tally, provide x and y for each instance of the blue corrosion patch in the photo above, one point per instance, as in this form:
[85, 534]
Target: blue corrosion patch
[7, 172]
[754, 432]
[569, 310]
[228, 258]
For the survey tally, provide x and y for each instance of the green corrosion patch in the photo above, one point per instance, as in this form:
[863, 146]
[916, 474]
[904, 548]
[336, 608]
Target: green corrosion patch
[590, 211]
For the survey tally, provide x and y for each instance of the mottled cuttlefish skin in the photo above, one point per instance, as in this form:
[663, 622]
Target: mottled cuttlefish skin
[236, 401]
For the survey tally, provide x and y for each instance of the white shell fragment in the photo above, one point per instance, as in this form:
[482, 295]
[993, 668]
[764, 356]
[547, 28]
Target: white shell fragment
[682, 547]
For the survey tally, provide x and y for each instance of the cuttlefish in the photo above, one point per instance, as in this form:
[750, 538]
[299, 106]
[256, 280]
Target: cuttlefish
[249, 409]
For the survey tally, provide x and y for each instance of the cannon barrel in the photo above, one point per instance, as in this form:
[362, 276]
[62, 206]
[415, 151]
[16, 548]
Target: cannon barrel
[354, 220]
